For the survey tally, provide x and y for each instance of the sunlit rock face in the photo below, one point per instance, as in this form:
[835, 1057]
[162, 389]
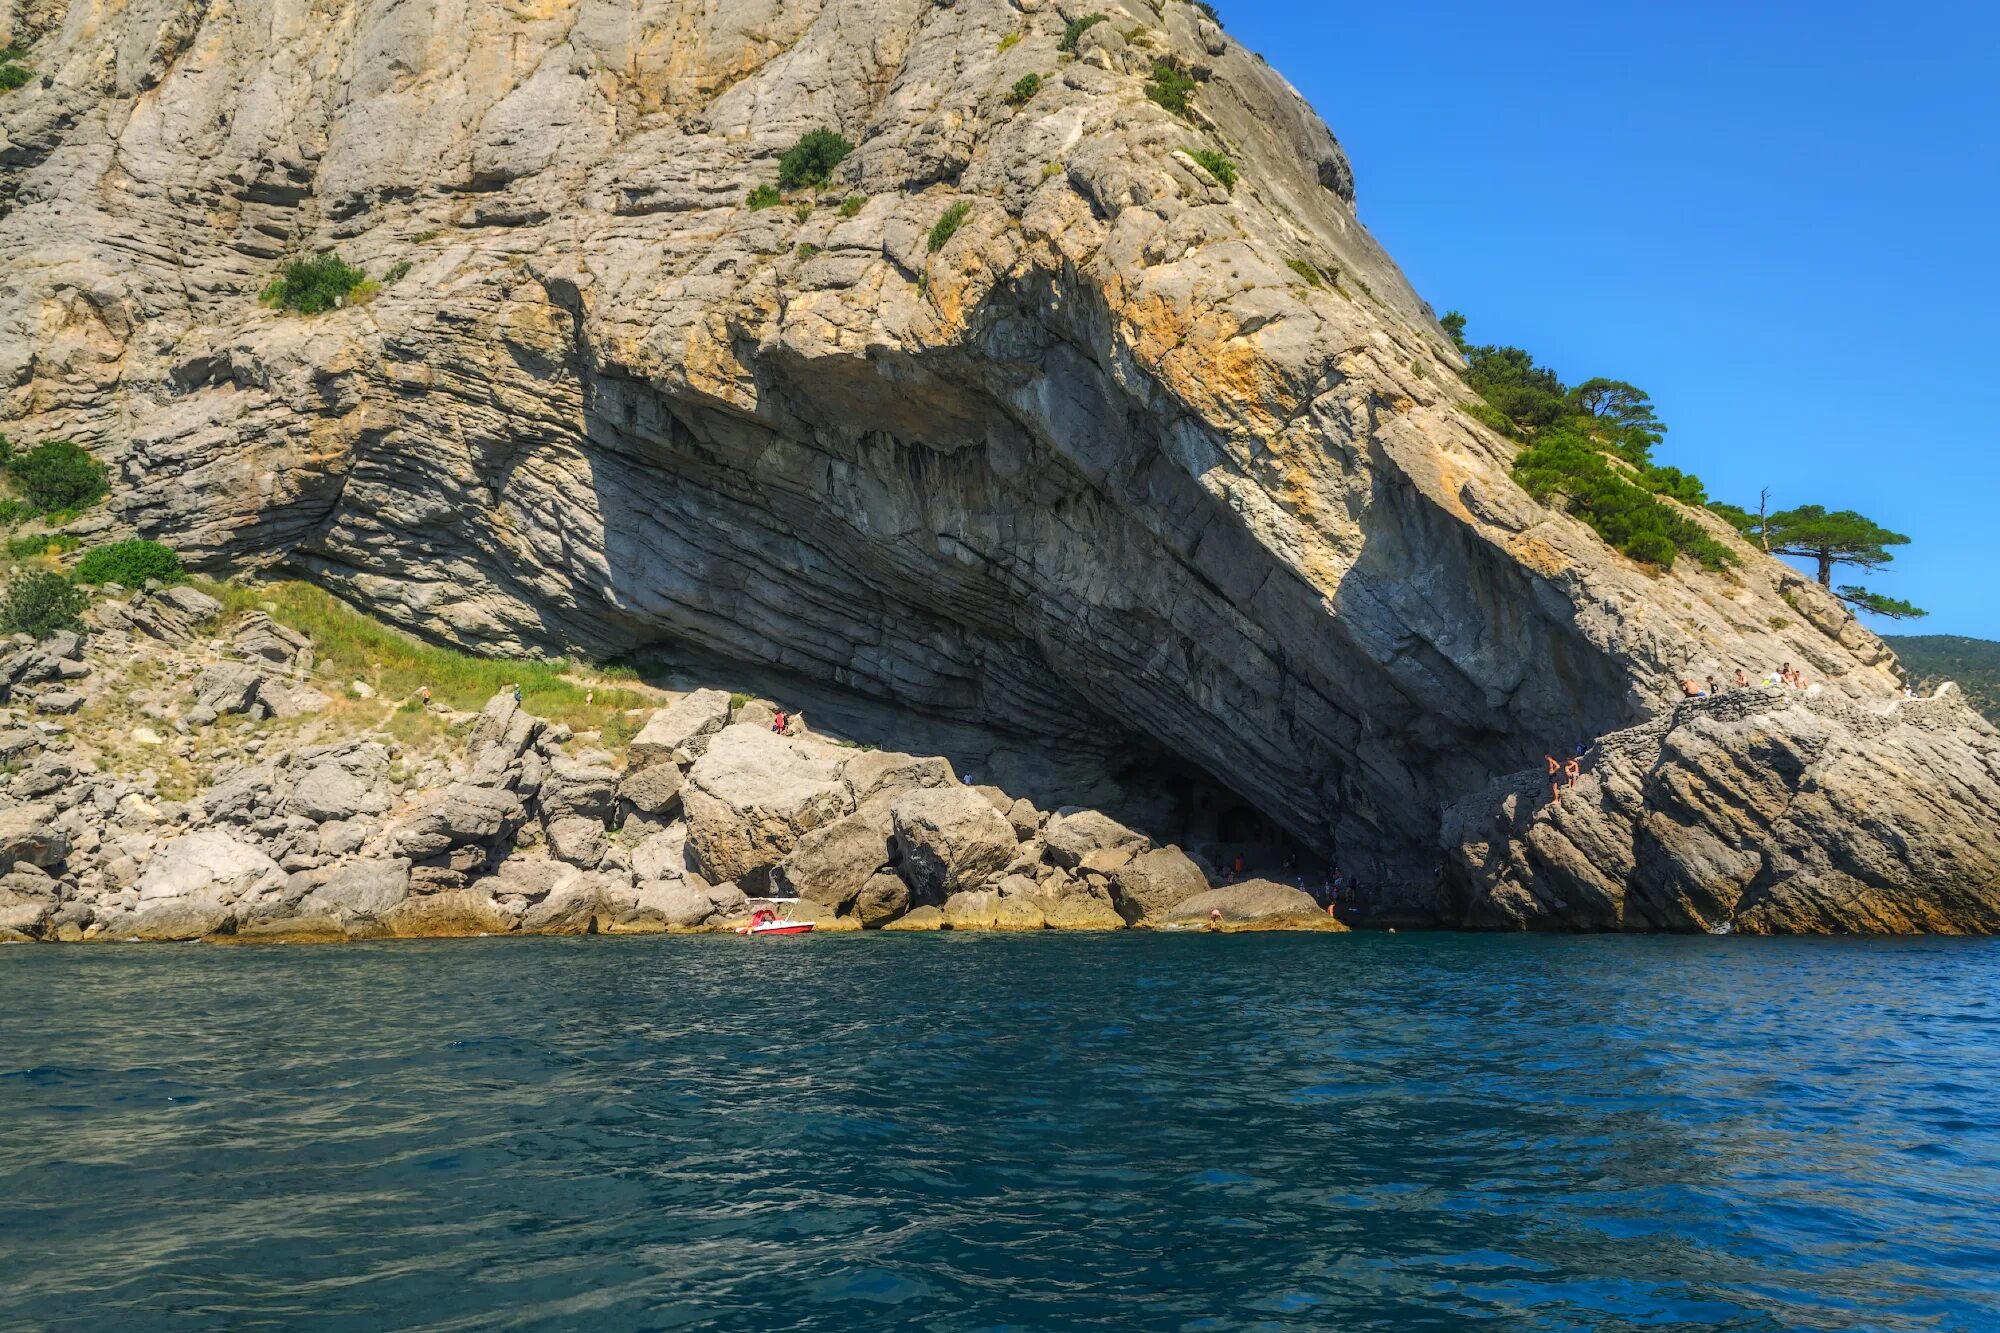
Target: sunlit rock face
[1128, 454]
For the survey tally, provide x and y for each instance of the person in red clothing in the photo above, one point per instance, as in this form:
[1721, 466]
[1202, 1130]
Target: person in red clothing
[778, 723]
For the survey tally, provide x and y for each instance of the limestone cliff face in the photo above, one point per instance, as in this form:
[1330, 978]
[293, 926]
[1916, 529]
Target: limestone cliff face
[1105, 455]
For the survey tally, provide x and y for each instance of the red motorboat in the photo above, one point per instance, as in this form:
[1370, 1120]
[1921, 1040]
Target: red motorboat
[766, 922]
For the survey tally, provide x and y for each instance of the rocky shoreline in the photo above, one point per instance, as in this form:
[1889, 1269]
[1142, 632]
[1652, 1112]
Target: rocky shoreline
[525, 827]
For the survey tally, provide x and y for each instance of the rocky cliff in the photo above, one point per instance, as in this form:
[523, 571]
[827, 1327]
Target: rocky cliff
[1130, 452]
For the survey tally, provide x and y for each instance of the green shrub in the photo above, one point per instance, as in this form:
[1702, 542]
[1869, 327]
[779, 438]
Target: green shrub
[430, 235]
[1051, 169]
[812, 159]
[853, 204]
[1024, 90]
[1574, 473]
[1171, 87]
[948, 225]
[39, 604]
[130, 563]
[12, 511]
[1209, 10]
[1306, 271]
[1217, 165]
[58, 477]
[1076, 29]
[397, 272]
[14, 72]
[1010, 41]
[764, 196]
[1491, 417]
[314, 286]
[806, 250]
[803, 211]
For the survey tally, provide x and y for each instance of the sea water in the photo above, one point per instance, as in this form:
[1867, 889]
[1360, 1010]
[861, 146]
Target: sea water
[1133, 1131]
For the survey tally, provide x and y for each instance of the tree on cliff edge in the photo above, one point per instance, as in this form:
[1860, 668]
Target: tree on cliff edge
[1841, 537]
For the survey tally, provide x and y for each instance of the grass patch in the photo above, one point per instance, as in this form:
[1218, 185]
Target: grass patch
[806, 250]
[351, 646]
[397, 272]
[1050, 169]
[802, 211]
[1307, 273]
[314, 286]
[852, 205]
[1024, 90]
[764, 196]
[947, 226]
[1217, 165]
[424, 236]
[36, 544]
[1076, 29]
[1010, 41]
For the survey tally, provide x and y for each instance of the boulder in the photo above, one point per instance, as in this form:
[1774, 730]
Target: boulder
[572, 788]
[1253, 900]
[1027, 820]
[881, 900]
[350, 782]
[453, 912]
[876, 778]
[227, 687]
[501, 735]
[462, 814]
[670, 905]
[684, 725]
[578, 840]
[832, 863]
[1071, 835]
[1151, 884]
[576, 906]
[58, 701]
[207, 867]
[952, 841]
[662, 856]
[654, 790]
[985, 909]
[750, 798]
[366, 888]
[918, 918]
[27, 901]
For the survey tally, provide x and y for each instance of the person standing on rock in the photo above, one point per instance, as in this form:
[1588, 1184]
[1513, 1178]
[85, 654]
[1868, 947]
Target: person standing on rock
[1555, 771]
[424, 696]
[1742, 679]
[778, 722]
[1572, 770]
[1215, 918]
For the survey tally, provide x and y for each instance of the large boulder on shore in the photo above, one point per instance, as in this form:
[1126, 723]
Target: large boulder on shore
[1071, 835]
[685, 726]
[750, 798]
[1152, 884]
[952, 840]
[363, 889]
[1253, 900]
[832, 863]
[28, 835]
[193, 885]
[461, 815]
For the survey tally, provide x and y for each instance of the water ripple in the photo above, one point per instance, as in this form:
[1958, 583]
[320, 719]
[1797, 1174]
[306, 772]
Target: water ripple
[1169, 1132]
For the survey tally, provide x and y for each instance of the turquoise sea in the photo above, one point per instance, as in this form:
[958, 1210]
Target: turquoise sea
[1136, 1131]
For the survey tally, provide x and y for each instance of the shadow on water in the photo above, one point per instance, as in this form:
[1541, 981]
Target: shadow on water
[949, 1132]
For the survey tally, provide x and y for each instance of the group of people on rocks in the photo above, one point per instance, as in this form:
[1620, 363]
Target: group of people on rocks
[1786, 675]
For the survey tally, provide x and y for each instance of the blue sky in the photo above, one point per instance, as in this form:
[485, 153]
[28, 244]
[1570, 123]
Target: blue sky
[1779, 219]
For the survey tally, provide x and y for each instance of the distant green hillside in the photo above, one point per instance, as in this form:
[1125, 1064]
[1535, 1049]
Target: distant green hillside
[1973, 663]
